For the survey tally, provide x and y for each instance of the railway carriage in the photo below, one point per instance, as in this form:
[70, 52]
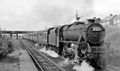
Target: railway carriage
[42, 37]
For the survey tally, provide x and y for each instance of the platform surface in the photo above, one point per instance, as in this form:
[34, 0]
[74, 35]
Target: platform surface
[19, 60]
[26, 63]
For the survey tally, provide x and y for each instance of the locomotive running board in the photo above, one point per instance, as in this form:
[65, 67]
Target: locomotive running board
[71, 42]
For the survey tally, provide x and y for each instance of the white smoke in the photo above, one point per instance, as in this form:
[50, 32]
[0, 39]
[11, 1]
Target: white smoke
[49, 52]
[37, 44]
[73, 20]
[64, 63]
[84, 67]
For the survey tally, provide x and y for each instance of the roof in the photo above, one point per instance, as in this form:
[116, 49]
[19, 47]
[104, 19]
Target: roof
[117, 17]
[108, 18]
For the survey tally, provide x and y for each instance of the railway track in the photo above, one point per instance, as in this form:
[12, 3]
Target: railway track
[42, 62]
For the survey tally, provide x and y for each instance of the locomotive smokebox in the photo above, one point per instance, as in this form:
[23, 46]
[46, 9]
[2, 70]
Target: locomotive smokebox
[95, 33]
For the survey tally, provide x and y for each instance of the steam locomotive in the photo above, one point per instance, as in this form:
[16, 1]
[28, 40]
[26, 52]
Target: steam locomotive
[78, 41]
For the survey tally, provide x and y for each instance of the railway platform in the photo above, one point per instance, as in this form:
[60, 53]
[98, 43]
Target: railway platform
[26, 63]
[18, 60]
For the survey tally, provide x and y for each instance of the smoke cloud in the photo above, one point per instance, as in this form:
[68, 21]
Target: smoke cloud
[84, 67]
[64, 63]
[49, 52]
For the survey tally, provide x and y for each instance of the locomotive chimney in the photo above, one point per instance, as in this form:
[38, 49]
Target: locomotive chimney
[91, 20]
[111, 14]
[98, 20]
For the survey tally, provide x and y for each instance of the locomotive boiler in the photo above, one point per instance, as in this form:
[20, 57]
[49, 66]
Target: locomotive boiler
[91, 32]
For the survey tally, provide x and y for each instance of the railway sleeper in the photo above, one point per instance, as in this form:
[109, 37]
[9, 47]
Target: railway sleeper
[46, 64]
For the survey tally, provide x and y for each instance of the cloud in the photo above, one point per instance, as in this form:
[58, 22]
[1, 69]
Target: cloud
[39, 14]
[105, 7]
[59, 12]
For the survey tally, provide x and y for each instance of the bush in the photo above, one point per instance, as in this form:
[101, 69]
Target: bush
[6, 47]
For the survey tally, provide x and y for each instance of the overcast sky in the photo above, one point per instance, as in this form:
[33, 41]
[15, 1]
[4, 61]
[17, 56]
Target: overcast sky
[39, 14]
[105, 7]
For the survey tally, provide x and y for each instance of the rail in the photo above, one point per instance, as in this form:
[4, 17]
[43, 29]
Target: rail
[42, 62]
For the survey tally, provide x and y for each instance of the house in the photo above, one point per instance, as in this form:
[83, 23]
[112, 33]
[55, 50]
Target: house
[109, 20]
[117, 20]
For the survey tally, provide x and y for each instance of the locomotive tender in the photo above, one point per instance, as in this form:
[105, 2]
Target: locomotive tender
[78, 35]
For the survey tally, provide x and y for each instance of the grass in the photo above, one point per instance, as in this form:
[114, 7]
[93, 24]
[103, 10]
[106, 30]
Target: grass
[113, 36]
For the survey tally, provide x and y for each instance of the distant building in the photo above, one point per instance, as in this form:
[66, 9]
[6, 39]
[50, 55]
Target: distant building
[117, 20]
[109, 20]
